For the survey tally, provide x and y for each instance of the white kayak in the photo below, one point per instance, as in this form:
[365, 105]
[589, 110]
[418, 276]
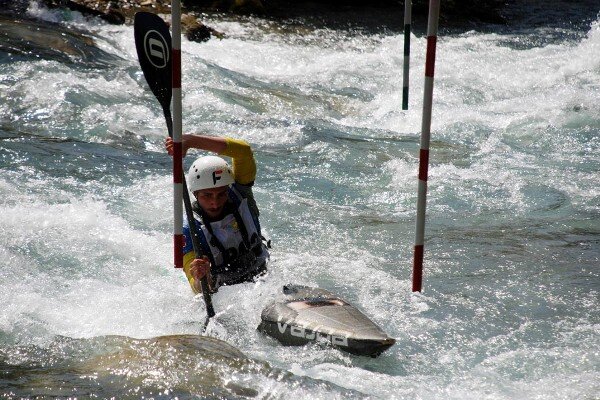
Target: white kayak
[304, 315]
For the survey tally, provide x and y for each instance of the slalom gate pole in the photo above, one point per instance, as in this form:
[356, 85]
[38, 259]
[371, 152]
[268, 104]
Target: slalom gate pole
[432, 26]
[180, 185]
[177, 134]
[407, 20]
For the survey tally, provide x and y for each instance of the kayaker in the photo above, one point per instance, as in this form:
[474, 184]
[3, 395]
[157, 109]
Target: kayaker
[225, 212]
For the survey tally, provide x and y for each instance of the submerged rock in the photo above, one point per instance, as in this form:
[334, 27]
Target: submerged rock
[47, 40]
[125, 367]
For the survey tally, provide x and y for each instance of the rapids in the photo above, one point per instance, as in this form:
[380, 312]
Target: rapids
[511, 281]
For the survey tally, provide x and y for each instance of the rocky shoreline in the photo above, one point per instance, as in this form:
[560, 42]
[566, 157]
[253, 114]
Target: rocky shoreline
[373, 15]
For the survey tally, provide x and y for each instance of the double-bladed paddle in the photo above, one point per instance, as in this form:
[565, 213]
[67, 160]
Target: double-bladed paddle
[153, 45]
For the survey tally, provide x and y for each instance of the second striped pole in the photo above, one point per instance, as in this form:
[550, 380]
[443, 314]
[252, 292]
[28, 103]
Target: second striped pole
[407, 21]
[432, 26]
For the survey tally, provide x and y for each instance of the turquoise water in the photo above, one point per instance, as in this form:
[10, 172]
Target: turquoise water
[510, 302]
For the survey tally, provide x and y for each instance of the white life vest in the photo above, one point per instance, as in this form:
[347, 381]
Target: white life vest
[235, 243]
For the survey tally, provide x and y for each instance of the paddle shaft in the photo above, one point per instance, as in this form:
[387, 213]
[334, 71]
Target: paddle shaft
[151, 34]
[210, 311]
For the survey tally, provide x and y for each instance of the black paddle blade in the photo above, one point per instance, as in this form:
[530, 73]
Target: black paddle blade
[153, 45]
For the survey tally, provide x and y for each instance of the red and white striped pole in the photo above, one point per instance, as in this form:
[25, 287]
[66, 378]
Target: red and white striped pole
[407, 20]
[432, 26]
[177, 133]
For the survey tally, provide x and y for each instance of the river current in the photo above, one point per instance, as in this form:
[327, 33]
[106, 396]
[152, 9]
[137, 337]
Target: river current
[510, 306]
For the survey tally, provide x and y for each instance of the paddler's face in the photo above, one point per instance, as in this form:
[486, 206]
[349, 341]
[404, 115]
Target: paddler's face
[212, 201]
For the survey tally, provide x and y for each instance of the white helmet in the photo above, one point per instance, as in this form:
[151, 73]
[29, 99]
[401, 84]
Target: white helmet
[209, 172]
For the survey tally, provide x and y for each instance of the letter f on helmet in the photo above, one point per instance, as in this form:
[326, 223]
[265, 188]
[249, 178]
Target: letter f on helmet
[209, 172]
[216, 175]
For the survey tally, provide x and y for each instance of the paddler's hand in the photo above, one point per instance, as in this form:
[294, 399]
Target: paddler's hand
[169, 144]
[199, 268]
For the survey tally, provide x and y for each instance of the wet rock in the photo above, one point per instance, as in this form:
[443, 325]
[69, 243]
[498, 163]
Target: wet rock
[196, 31]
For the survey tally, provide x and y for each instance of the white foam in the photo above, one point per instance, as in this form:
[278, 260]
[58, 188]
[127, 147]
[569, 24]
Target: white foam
[84, 259]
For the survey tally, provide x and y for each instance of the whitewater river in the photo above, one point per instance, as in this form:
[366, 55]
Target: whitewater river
[510, 307]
